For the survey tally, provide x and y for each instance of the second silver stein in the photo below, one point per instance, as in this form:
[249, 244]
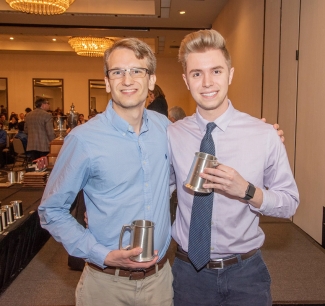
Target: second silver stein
[142, 235]
[200, 162]
[4, 218]
[10, 213]
[18, 208]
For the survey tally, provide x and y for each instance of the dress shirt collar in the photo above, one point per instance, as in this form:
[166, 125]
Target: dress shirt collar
[120, 124]
[222, 122]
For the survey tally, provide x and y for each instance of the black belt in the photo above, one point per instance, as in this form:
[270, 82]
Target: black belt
[131, 274]
[216, 263]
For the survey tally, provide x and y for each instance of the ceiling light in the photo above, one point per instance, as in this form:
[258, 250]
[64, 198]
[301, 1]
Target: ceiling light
[54, 39]
[42, 7]
[90, 46]
[11, 38]
[182, 12]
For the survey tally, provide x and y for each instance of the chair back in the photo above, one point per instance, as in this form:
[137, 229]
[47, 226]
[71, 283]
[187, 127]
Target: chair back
[18, 146]
[8, 141]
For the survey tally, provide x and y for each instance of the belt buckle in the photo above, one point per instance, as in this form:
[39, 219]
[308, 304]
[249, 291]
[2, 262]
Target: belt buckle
[137, 270]
[220, 260]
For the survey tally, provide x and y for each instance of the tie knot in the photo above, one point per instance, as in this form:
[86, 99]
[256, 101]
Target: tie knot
[210, 127]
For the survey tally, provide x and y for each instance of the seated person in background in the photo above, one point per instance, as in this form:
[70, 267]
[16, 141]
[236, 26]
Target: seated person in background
[81, 119]
[13, 123]
[27, 110]
[21, 134]
[3, 144]
[157, 101]
[4, 121]
[176, 113]
[21, 117]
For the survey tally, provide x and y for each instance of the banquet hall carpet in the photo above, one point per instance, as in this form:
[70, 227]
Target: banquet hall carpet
[295, 261]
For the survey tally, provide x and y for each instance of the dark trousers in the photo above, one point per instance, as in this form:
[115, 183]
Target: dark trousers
[36, 154]
[246, 283]
[2, 160]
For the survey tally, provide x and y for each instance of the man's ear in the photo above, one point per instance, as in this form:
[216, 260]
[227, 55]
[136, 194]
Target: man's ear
[231, 74]
[108, 86]
[185, 80]
[152, 81]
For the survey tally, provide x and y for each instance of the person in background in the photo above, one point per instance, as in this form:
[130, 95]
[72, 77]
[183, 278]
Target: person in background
[27, 110]
[157, 101]
[81, 119]
[39, 128]
[21, 134]
[218, 259]
[3, 144]
[3, 110]
[119, 160]
[21, 117]
[176, 113]
[13, 123]
[4, 121]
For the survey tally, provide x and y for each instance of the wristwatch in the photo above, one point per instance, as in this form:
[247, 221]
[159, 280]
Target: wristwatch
[250, 191]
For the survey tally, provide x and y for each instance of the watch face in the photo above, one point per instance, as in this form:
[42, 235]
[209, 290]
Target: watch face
[250, 191]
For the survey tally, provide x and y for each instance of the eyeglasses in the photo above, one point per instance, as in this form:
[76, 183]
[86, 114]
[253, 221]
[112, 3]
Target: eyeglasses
[120, 73]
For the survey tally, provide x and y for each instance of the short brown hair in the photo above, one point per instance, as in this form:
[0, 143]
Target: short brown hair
[141, 51]
[202, 41]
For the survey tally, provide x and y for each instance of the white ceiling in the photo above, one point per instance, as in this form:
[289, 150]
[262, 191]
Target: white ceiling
[158, 22]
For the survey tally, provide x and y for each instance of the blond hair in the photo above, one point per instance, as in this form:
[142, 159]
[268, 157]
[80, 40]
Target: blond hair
[202, 41]
[141, 51]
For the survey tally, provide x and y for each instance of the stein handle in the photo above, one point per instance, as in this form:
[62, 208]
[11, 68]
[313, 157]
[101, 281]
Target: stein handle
[215, 163]
[124, 228]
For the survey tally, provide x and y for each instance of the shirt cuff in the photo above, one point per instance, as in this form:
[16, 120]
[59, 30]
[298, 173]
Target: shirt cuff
[98, 254]
[269, 200]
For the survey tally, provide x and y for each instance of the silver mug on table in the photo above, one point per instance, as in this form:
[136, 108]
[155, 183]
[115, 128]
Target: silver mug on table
[18, 208]
[12, 177]
[142, 235]
[4, 218]
[10, 213]
[200, 162]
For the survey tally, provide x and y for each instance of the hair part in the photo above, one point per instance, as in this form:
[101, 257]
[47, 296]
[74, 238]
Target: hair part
[202, 41]
[140, 49]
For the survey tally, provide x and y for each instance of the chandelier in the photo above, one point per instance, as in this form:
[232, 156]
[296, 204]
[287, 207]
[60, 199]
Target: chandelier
[90, 46]
[41, 7]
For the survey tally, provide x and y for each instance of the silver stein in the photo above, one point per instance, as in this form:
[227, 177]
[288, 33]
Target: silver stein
[200, 162]
[142, 235]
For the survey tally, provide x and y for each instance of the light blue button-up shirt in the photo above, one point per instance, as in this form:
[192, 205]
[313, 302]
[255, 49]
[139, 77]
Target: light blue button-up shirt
[124, 176]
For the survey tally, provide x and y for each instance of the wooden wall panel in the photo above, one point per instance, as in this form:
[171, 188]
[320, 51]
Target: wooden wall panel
[310, 146]
[271, 60]
[241, 22]
[288, 74]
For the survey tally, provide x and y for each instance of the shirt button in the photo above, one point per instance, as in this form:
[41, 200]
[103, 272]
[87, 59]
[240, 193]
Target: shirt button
[212, 248]
[146, 185]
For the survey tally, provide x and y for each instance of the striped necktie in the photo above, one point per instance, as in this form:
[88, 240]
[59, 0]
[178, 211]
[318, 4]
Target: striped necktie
[200, 227]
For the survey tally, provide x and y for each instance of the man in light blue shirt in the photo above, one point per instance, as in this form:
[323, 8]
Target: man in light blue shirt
[120, 161]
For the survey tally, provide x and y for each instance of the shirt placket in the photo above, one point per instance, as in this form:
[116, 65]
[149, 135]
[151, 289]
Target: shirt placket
[146, 177]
